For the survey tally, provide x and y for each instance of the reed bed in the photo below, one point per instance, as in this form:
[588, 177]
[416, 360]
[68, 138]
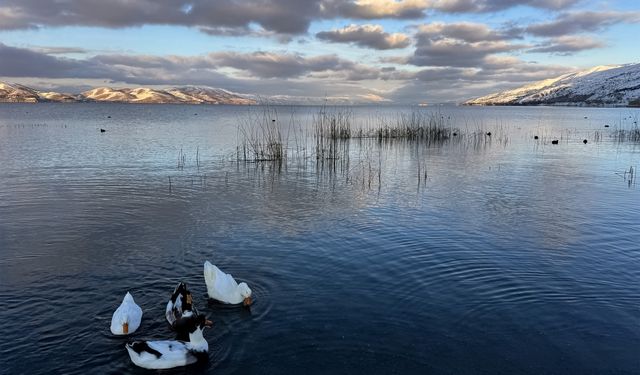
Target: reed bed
[417, 126]
[626, 135]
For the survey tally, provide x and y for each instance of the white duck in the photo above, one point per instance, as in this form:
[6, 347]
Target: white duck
[126, 319]
[172, 353]
[222, 286]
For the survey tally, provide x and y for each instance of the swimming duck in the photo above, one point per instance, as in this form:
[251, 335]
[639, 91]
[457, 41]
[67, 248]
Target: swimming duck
[126, 319]
[180, 306]
[172, 353]
[222, 286]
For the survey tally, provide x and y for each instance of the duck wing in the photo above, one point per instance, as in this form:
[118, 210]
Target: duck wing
[226, 288]
[160, 354]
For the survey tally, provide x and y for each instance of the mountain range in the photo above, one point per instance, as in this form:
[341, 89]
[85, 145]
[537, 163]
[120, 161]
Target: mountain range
[15, 93]
[611, 85]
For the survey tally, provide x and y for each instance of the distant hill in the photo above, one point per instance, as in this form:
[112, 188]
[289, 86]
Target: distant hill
[15, 93]
[617, 85]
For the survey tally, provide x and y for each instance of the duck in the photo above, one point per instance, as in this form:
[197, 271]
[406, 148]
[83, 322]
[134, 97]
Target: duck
[165, 354]
[180, 306]
[126, 319]
[224, 288]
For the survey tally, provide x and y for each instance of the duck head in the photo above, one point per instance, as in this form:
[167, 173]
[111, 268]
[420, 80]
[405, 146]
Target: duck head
[245, 292]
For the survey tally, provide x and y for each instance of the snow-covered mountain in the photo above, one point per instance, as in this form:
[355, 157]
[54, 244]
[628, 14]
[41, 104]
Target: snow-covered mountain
[188, 95]
[612, 85]
[17, 94]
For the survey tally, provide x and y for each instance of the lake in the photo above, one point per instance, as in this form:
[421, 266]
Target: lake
[474, 254]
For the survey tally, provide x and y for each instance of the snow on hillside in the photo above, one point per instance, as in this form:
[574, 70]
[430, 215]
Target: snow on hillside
[193, 95]
[17, 94]
[614, 85]
[57, 97]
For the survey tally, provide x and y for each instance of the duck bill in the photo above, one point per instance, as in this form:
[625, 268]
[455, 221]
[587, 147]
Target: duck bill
[247, 301]
[208, 323]
[125, 328]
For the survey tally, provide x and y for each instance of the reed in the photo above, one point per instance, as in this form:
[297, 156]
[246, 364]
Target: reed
[262, 138]
[332, 123]
[182, 159]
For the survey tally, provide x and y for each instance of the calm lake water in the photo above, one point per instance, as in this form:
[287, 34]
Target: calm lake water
[477, 255]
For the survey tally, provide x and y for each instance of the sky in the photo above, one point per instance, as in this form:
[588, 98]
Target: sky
[387, 51]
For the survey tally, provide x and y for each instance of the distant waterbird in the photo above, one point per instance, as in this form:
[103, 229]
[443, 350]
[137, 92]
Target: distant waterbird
[489, 134]
[554, 142]
[102, 130]
[606, 126]
[535, 137]
[584, 141]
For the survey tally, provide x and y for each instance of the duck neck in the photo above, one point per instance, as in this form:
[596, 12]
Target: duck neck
[197, 342]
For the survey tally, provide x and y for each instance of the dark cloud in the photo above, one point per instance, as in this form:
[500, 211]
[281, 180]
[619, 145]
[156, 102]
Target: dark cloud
[282, 16]
[230, 17]
[576, 22]
[371, 36]
[567, 45]
[22, 62]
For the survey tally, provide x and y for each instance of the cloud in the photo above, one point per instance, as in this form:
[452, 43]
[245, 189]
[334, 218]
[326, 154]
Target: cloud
[59, 50]
[576, 22]
[440, 84]
[374, 9]
[458, 45]
[229, 17]
[282, 16]
[457, 53]
[274, 65]
[22, 62]
[371, 36]
[260, 73]
[465, 31]
[567, 45]
[485, 6]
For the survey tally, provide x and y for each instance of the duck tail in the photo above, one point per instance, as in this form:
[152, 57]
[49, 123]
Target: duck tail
[209, 275]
